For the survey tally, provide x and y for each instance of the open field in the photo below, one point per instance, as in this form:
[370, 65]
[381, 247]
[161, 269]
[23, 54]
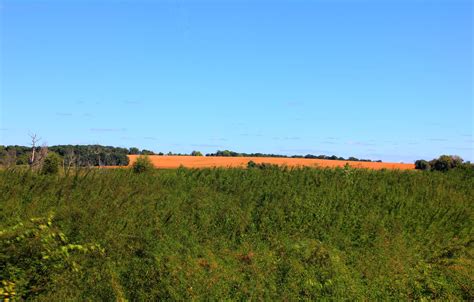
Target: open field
[237, 234]
[171, 162]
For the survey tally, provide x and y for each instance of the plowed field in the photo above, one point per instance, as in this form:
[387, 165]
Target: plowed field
[170, 162]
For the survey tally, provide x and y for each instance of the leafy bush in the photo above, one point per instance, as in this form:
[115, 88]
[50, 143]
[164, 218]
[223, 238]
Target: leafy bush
[142, 164]
[443, 163]
[51, 164]
[422, 165]
[262, 166]
[34, 255]
[251, 164]
[446, 162]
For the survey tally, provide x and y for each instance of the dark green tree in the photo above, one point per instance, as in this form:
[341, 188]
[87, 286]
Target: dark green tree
[147, 152]
[51, 164]
[133, 151]
[422, 165]
[446, 162]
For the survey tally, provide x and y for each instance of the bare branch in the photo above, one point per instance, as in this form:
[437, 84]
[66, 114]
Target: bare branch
[34, 142]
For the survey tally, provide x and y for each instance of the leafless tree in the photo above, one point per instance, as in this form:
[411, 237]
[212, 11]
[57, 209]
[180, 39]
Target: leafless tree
[34, 142]
[38, 154]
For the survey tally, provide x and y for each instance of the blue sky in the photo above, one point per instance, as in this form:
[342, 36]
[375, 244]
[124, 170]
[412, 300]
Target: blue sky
[390, 80]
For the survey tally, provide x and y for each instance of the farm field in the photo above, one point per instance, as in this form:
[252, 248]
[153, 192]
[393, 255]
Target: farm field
[171, 162]
[237, 234]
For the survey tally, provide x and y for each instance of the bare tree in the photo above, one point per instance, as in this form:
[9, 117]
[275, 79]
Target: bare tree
[34, 142]
[38, 154]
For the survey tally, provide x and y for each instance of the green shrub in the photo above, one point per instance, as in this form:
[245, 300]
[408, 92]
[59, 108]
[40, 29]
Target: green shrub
[443, 163]
[251, 164]
[422, 165]
[34, 255]
[446, 162]
[262, 166]
[51, 164]
[142, 164]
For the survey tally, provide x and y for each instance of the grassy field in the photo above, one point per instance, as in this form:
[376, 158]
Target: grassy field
[219, 234]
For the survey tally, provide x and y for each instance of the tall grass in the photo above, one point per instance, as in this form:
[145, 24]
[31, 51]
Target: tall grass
[270, 234]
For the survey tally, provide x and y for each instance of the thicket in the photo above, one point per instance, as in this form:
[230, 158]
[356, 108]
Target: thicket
[71, 155]
[443, 163]
[241, 234]
[51, 164]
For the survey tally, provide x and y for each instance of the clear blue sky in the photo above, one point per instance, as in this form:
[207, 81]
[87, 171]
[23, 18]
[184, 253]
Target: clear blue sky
[390, 80]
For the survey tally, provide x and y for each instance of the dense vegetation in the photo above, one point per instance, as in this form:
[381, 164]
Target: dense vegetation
[443, 163]
[71, 155]
[217, 234]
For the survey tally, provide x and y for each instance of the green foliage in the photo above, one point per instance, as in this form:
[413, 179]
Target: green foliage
[51, 164]
[251, 164]
[36, 257]
[443, 163]
[241, 234]
[142, 164]
[446, 162]
[147, 152]
[262, 166]
[196, 153]
[74, 155]
[92, 155]
[422, 165]
[134, 151]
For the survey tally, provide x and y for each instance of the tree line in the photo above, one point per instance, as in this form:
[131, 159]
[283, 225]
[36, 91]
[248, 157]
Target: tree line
[70, 155]
[311, 156]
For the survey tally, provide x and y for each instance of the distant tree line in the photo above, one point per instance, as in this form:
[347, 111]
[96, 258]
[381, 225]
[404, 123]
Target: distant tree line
[70, 155]
[14, 155]
[443, 163]
[333, 157]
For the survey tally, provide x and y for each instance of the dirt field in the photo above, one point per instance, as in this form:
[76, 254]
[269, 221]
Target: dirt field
[169, 162]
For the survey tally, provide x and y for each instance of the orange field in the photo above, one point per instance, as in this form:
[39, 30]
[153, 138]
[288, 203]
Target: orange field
[170, 162]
